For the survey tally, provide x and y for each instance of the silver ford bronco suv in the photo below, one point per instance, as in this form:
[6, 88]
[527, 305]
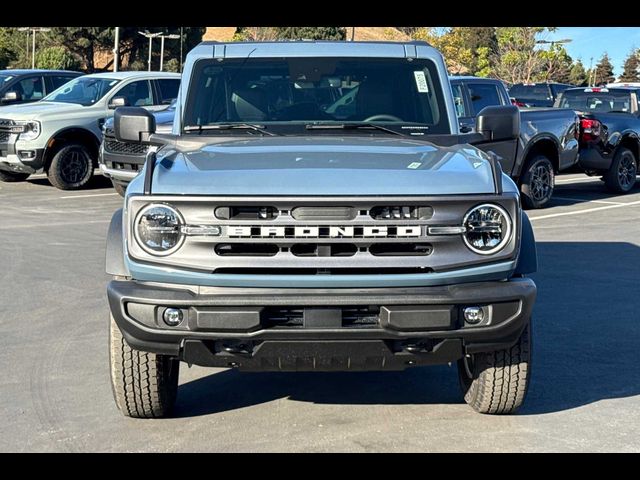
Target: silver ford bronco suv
[317, 208]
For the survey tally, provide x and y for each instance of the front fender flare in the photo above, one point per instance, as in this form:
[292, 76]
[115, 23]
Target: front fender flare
[114, 261]
[528, 259]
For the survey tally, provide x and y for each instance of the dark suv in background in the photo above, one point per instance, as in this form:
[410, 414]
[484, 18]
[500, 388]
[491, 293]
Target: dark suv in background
[24, 86]
[537, 94]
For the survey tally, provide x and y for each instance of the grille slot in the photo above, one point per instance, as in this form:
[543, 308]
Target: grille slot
[401, 212]
[4, 136]
[306, 214]
[246, 212]
[125, 148]
[400, 249]
[323, 271]
[320, 250]
[246, 249]
[293, 317]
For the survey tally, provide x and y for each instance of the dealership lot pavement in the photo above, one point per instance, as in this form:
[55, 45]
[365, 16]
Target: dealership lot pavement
[55, 393]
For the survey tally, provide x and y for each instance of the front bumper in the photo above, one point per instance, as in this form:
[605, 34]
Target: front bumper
[120, 168]
[244, 328]
[14, 161]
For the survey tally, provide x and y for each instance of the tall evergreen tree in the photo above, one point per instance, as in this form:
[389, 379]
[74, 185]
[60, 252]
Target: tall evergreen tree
[312, 33]
[578, 74]
[604, 71]
[630, 70]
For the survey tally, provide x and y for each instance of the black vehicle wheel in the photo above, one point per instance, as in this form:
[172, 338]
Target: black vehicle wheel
[621, 176]
[144, 385]
[118, 187]
[537, 182]
[13, 176]
[71, 167]
[496, 382]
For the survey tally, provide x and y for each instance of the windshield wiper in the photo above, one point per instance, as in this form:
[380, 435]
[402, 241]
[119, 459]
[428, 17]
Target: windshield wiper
[351, 126]
[229, 126]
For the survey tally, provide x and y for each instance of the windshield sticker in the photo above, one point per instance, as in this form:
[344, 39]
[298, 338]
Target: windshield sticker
[421, 82]
[414, 165]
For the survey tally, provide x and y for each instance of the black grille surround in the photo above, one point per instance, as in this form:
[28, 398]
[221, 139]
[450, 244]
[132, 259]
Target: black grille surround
[389, 251]
[111, 145]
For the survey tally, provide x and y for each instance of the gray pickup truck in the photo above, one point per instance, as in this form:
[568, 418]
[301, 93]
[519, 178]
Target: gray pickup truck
[317, 208]
[548, 142]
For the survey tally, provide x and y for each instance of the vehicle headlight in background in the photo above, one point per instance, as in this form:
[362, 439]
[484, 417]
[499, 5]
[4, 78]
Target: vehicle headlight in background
[157, 229]
[30, 130]
[488, 229]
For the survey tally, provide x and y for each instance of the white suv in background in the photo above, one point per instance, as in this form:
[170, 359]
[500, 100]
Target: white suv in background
[61, 133]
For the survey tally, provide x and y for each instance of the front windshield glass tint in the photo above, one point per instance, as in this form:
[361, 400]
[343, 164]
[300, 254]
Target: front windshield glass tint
[279, 92]
[610, 101]
[84, 91]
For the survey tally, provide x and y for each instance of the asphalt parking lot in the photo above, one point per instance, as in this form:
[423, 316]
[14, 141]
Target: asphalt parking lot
[55, 392]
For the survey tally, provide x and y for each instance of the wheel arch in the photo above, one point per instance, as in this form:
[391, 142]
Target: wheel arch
[114, 258]
[67, 135]
[631, 141]
[542, 145]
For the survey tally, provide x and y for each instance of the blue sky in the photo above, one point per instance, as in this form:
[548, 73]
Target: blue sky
[590, 42]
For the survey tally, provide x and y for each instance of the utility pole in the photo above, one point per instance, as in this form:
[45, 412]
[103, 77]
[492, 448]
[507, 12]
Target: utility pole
[590, 70]
[181, 56]
[33, 30]
[150, 36]
[26, 48]
[353, 33]
[116, 50]
[162, 37]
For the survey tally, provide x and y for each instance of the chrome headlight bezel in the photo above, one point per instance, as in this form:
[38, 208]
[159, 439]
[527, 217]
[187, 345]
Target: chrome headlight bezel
[506, 237]
[143, 245]
[31, 130]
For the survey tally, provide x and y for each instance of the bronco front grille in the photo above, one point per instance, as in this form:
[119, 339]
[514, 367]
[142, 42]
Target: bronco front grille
[323, 236]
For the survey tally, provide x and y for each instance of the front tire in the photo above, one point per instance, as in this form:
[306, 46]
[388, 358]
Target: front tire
[537, 182]
[144, 385]
[12, 176]
[71, 167]
[497, 382]
[621, 176]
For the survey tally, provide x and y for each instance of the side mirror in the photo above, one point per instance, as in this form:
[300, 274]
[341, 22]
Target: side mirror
[499, 123]
[117, 102]
[11, 96]
[133, 124]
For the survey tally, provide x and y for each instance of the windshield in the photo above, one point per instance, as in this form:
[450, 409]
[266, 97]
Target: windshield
[83, 90]
[532, 92]
[607, 101]
[4, 79]
[291, 93]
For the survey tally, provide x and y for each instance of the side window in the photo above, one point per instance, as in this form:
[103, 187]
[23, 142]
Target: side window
[30, 88]
[137, 94]
[458, 100]
[483, 95]
[167, 89]
[58, 80]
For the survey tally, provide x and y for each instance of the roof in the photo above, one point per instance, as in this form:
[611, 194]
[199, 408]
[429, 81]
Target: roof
[471, 77]
[23, 71]
[126, 75]
[529, 84]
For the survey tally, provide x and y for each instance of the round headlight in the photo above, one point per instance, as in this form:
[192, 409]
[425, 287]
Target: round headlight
[157, 229]
[488, 229]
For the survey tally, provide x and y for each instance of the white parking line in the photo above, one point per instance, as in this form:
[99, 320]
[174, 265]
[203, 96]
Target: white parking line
[585, 200]
[580, 179]
[57, 224]
[587, 210]
[90, 195]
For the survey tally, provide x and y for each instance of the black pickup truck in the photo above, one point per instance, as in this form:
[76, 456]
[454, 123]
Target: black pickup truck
[609, 130]
[548, 141]
[537, 94]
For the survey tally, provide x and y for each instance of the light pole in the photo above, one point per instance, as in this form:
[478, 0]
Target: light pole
[116, 50]
[33, 47]
[162, 37]
[150, 36]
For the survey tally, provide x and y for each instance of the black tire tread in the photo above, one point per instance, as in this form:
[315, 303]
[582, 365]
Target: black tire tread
[527, 202]
[610, 177]
[144, 384]
[501, 378]
[54, 177]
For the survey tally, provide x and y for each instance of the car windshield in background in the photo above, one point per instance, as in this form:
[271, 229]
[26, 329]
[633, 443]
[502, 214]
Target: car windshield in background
[84, 91]
[596, 101]
[532, 92]
[293, 93]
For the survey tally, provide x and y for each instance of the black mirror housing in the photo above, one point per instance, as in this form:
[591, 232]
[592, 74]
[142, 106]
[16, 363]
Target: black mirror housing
[133, 124]
[498, 123]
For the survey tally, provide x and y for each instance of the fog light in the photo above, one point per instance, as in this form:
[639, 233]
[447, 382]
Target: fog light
[473, 314]
[172, 316]
[27, 154]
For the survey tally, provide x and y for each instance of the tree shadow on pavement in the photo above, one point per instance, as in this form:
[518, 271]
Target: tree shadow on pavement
[586, 336]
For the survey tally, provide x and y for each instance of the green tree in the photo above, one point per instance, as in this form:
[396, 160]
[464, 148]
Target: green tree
[83, 42]
[556, 65]
[578, 75]
[630, 69]
[13, 48]
[482, 42]
[172, 65]
[312, 33]
[603, 73]
[56, 58]
[516, 58]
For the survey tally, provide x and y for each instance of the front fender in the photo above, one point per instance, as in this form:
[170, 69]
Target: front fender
[528, 259]
[114, 261]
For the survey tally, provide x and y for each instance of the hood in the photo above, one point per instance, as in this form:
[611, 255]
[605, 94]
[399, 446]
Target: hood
[36, 110]
[323, 166]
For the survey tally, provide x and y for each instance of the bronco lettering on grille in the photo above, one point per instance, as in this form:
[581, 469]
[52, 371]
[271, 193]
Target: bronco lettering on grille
[324, 231]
